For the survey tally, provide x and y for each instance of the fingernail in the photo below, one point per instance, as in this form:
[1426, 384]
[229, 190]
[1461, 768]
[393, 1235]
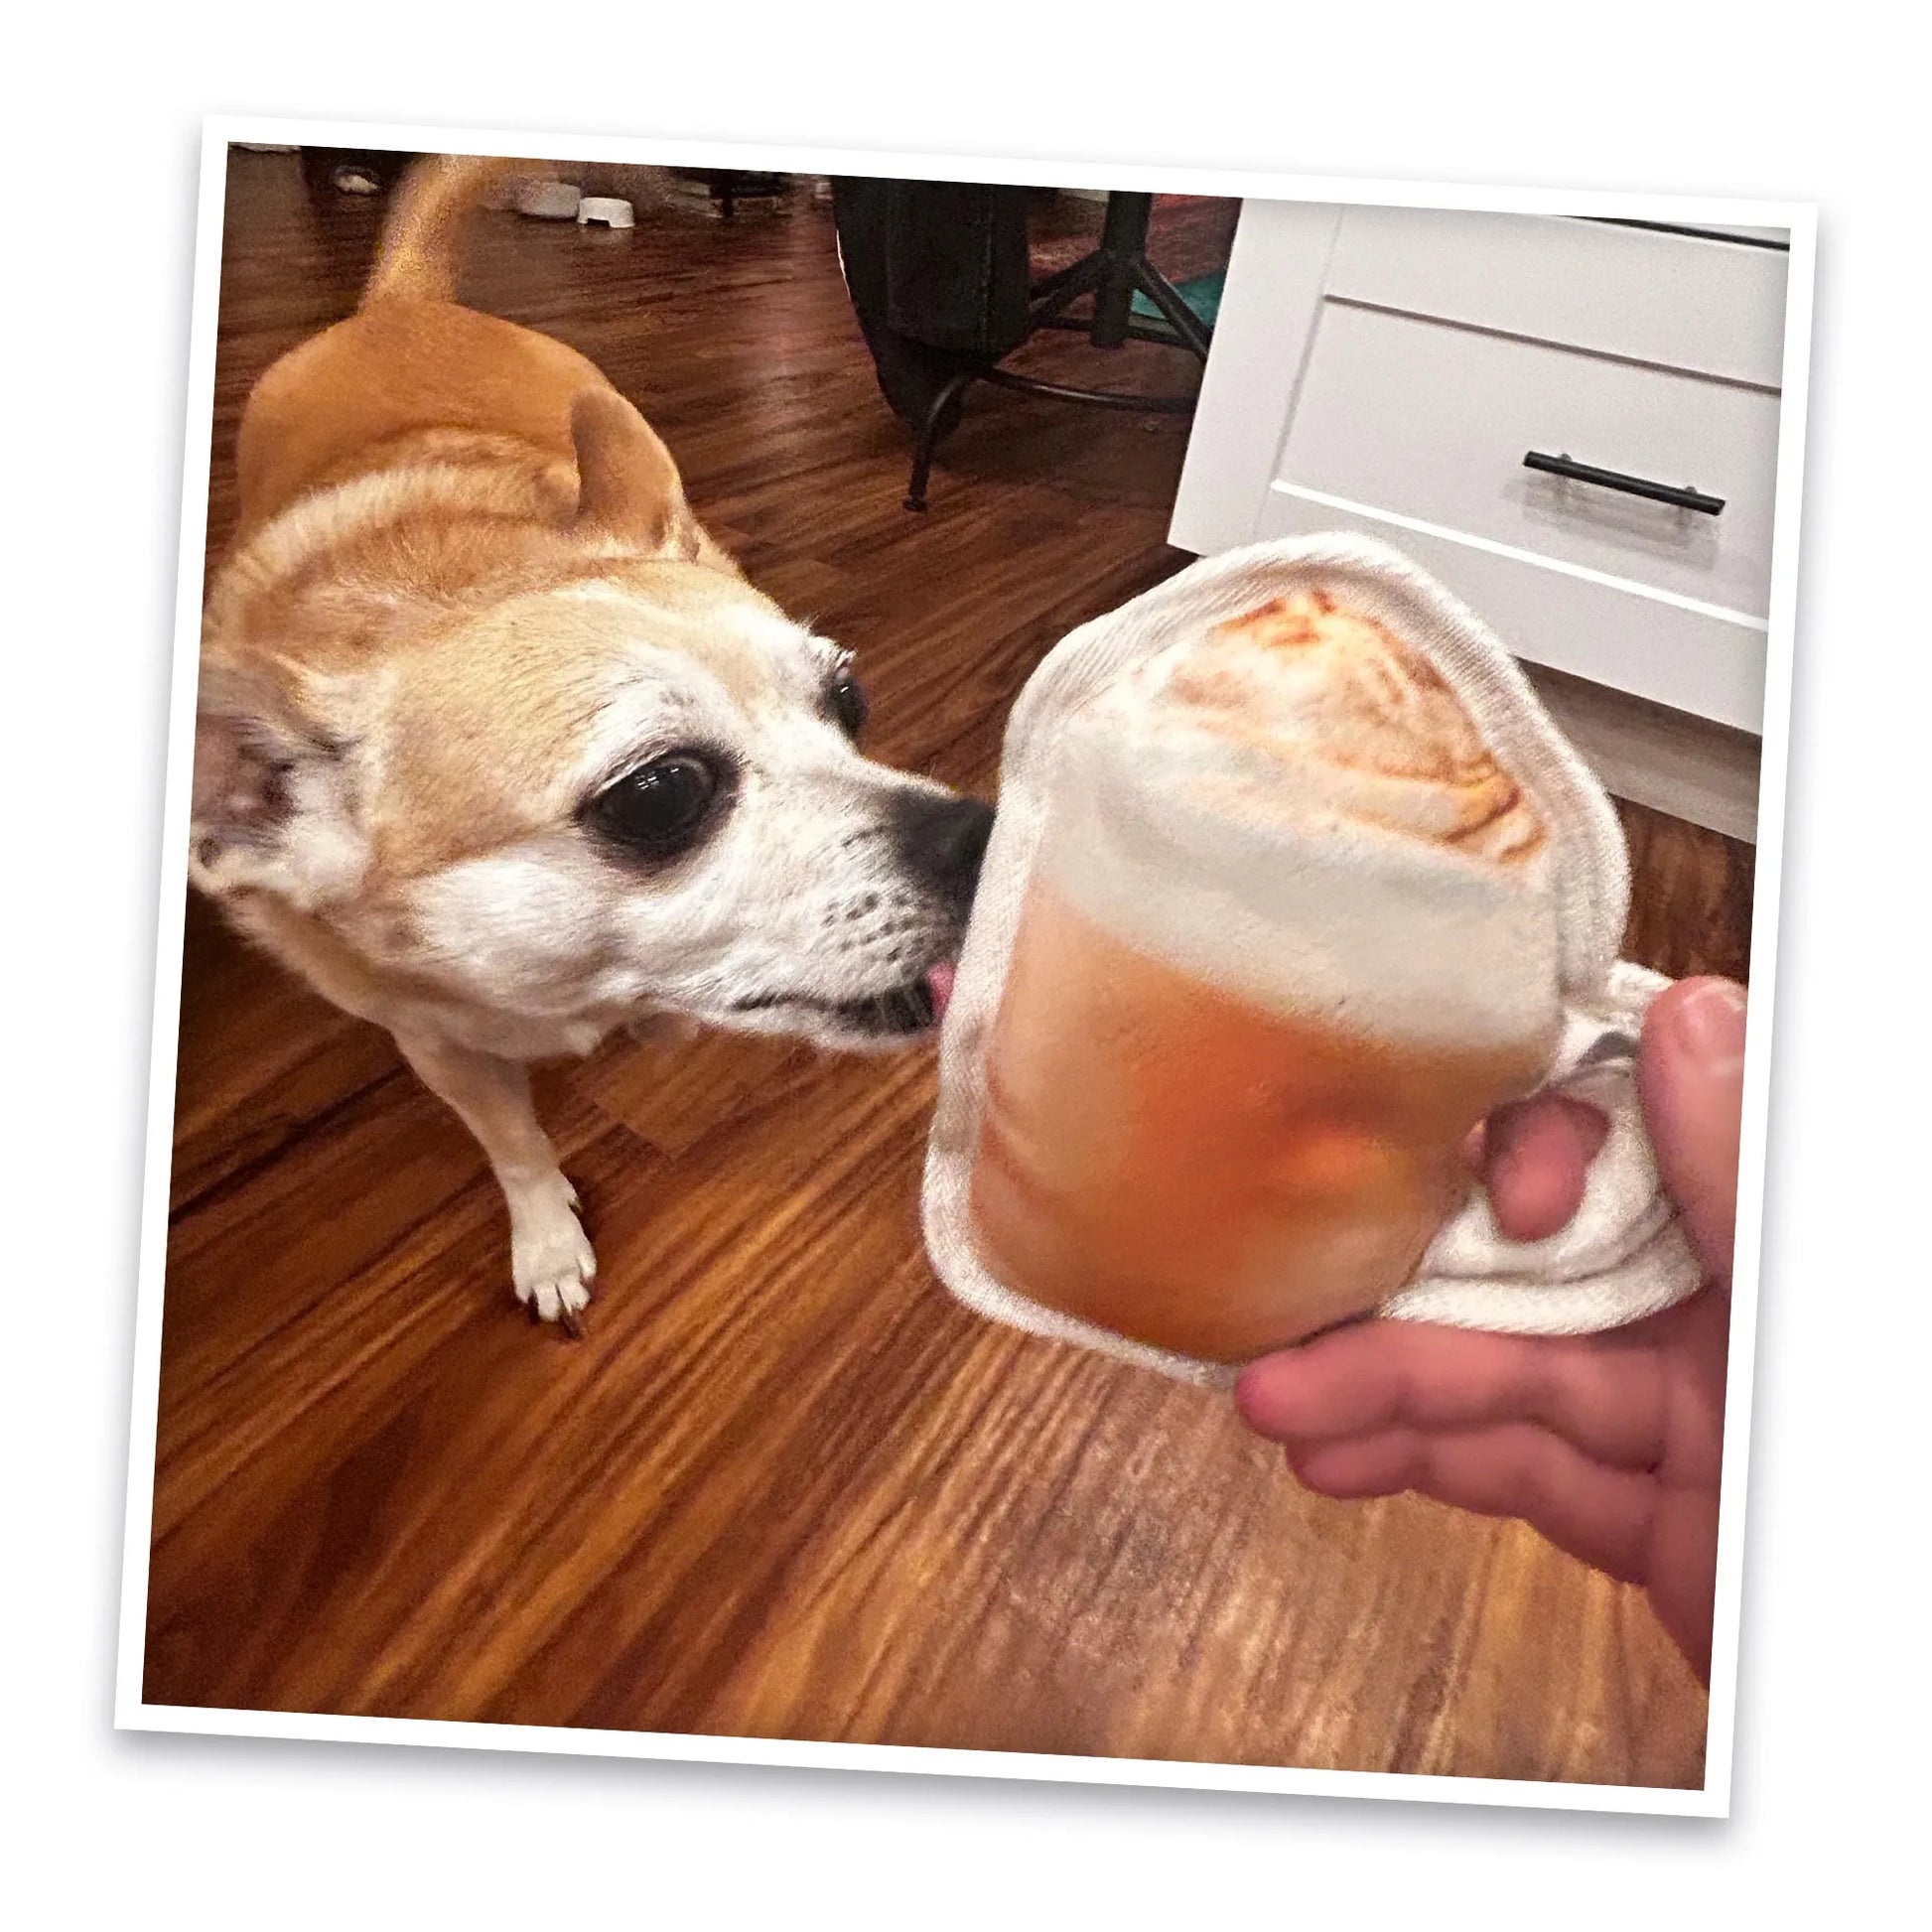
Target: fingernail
[1709, 1023]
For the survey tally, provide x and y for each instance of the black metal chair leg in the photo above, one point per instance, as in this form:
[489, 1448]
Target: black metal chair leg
[1174, 311]
[1122, 250]
[1112, 274]
[1059, 278]
[1067, 287]
[929, 433]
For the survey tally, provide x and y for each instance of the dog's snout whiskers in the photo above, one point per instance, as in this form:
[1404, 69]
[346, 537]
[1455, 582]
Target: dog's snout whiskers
[905, 1009]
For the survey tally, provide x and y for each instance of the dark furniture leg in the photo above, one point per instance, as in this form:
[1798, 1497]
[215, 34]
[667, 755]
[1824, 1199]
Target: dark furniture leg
[945, 405]
[726, 187]
[1112, 274]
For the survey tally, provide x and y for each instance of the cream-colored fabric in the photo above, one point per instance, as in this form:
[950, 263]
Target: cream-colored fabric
[1624, 1255]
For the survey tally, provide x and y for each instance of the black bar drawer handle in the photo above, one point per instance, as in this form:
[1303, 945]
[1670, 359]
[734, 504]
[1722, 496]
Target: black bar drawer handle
[1684, 500]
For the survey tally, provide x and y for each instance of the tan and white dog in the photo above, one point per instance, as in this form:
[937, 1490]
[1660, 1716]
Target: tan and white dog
[500, 750]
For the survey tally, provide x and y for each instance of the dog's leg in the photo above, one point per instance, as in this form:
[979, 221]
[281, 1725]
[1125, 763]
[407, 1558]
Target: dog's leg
[551, 1262]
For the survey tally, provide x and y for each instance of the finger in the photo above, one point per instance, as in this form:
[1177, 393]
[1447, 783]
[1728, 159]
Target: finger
[1600, 1515]
[1691, 1073]
[1536, 1156]
[1599, 1393]
[1684, 1549]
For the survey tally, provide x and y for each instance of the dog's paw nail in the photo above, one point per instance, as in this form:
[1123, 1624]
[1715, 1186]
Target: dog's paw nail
[550, 1260]
[571, 1325]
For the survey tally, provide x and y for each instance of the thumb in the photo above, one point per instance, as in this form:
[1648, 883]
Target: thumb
[1691, 1073]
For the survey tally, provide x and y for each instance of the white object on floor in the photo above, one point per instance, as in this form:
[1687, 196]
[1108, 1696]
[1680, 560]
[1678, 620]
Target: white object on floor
[611, 210]
[549, 201]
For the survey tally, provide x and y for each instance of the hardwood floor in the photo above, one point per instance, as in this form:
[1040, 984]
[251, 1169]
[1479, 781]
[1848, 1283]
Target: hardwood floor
[786, 1489]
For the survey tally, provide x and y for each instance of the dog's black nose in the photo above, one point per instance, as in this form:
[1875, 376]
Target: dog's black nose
[943, 839]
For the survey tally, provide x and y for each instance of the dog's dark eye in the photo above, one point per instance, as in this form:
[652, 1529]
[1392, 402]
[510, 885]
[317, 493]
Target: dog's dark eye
[658, 809]
[847, 700]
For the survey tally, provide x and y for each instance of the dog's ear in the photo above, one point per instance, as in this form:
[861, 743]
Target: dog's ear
[271, 806]
[628, 486]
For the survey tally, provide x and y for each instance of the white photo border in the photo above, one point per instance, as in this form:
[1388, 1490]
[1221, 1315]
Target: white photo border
[1797, 219]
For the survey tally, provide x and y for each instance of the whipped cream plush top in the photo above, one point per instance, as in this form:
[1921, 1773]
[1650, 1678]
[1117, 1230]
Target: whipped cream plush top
[1295, 804]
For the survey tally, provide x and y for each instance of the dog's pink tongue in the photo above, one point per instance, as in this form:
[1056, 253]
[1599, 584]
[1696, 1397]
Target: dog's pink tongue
[939, 981]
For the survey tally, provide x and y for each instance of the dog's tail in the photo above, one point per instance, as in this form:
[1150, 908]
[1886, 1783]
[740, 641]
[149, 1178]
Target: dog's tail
[422, 242]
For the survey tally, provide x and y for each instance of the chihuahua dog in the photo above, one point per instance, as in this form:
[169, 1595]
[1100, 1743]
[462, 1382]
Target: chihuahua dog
[498, 750]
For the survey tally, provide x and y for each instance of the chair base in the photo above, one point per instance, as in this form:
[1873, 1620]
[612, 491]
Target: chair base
[1113, 274]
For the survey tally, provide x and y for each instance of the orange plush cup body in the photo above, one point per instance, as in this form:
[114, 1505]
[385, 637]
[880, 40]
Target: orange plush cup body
[1288, 937]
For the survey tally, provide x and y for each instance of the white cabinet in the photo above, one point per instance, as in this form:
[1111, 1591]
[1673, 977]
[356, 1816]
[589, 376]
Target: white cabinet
[1390, 370]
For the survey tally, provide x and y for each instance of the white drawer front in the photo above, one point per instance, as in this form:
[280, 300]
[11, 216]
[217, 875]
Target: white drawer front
[1683, 302]
[1433, 422]
[1585, 625]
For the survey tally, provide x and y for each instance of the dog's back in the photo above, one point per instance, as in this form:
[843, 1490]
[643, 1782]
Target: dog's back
[412, 376]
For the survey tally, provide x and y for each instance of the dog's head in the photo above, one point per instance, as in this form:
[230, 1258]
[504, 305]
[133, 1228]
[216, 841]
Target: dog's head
[637, 788]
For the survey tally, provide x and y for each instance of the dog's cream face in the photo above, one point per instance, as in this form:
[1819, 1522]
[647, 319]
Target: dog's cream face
[639, 791]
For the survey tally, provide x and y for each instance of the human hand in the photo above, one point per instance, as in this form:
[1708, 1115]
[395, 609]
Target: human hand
[1609, 1445]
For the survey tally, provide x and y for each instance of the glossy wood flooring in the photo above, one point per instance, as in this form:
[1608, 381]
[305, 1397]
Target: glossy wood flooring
[786, 1489]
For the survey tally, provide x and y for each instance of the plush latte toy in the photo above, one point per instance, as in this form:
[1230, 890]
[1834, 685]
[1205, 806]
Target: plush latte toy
[1293, 883]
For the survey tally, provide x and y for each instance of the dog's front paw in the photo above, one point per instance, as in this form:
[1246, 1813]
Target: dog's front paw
[551, 1261]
